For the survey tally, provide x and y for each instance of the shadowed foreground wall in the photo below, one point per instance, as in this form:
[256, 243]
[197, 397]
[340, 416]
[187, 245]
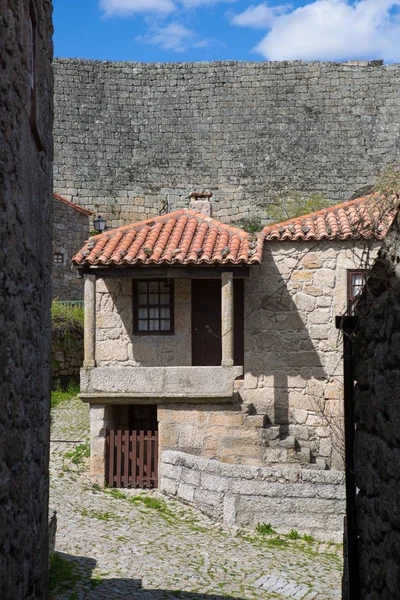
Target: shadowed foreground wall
[25, 270]
[129, 135]
[377, 452]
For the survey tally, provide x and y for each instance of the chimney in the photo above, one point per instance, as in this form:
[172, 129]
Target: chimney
[200, 202]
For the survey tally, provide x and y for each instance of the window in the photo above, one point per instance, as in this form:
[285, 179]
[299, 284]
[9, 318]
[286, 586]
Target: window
[58, 258]
[355, 286]
[153, 306]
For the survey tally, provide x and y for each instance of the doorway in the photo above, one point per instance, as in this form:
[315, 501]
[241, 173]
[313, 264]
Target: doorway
[206, 322]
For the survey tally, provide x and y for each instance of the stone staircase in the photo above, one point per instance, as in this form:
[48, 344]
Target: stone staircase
[277, 447]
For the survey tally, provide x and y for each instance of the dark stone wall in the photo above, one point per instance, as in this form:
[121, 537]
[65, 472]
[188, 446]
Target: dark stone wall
[130, 135]
[70, 231]
[25, 295]
[377, 450]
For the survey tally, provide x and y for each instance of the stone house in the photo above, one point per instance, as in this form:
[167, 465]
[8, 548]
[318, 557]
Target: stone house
[222, 341]
[70, 230]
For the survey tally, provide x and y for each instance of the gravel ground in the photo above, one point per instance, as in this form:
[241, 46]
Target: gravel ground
[113, 545]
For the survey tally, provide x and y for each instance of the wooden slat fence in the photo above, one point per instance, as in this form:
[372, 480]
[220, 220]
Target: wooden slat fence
[132, 458]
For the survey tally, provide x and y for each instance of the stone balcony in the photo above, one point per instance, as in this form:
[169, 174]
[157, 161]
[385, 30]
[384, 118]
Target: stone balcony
[131, 384]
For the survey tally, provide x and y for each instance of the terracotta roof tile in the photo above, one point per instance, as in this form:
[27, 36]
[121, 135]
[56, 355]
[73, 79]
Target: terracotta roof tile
[362, 218]
[183, 237]
[79, 209]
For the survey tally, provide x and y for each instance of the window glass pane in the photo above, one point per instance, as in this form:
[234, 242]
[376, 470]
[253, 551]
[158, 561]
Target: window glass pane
[142, 299]
[164, 299]
[153, 325]
[142, 287]
[153, 287]
[165, 313]
[153, 298]
[165, 325]
[143, 313]
[142, 325]
[164, 287]
[154, 313]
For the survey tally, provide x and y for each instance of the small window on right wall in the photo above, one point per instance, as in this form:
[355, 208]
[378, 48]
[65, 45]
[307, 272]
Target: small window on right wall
[355, 286]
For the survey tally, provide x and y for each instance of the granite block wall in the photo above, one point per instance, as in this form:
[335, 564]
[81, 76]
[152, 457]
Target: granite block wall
[115, 343]
[70, 231]
[129, 136]
[377, 435]
[25, 294]
[311, 502]
[293, 368]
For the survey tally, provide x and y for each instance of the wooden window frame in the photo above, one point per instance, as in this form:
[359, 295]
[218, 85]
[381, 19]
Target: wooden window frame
[136, 307]
[351, 298]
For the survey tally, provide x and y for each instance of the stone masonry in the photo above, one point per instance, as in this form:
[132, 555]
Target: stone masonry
[70, 231]
[309, 501]
[287, 409]
[293, 370]
[130, 136]
[377, 443]
[26, 99]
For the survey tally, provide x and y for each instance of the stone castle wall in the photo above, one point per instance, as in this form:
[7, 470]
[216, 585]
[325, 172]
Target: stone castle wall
[70, 231]
[129, 136]
[25, 296]
[311, 502]
[377, 436]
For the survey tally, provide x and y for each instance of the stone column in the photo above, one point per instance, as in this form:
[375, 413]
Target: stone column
[227, 319]
[90, 321]
[98, 424]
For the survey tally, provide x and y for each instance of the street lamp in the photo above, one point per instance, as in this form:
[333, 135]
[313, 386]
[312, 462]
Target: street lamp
[99, 224]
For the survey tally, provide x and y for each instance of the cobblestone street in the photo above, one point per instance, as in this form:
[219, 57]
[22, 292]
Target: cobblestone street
[146, 546]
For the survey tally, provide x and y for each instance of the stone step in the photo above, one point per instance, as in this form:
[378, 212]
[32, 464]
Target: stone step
[255, 420]
[247, 408]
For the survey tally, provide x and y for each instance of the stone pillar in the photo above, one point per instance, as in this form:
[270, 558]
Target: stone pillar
[98, 424]
[227, 319]
[90, 321]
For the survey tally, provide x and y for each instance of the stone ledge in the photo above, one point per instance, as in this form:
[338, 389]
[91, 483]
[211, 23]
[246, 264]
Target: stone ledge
[159, 382]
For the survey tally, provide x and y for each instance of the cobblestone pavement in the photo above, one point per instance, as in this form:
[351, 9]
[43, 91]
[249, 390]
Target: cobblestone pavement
[148, 547]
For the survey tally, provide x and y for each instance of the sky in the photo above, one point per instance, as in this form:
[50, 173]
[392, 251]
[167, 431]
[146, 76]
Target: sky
[204, 30]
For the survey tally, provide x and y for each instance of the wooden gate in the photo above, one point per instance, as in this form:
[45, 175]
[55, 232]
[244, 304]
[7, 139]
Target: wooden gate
[132, 458]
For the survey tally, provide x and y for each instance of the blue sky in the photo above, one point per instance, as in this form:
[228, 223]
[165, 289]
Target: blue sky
[198, 30]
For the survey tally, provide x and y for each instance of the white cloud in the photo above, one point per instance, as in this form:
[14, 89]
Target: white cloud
[330, 30]
[196, 3]
[259, 17]
[126, 8]
[173, 37]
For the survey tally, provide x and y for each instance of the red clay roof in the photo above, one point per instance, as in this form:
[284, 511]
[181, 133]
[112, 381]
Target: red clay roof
[362, 218]
[184, 237]
[79, 209]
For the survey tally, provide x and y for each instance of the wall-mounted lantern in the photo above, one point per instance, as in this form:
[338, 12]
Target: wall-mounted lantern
[99, 224]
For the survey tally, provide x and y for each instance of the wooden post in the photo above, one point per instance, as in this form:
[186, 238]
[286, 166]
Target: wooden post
[227, 323]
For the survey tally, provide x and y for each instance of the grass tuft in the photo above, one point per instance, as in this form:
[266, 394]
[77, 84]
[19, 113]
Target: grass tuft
[265, 529]
[81, 452]
[58, 396]
[293, 535]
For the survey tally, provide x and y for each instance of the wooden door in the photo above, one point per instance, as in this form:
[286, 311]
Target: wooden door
[206, 322]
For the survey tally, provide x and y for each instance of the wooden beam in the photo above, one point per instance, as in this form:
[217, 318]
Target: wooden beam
[164, 272]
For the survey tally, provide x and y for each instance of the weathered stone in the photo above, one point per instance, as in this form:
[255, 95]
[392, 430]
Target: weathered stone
[26, 151]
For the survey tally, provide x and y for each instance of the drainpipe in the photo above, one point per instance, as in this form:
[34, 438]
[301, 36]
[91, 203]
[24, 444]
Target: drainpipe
[347, 325]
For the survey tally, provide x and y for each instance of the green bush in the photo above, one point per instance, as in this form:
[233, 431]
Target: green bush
[66, 319]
